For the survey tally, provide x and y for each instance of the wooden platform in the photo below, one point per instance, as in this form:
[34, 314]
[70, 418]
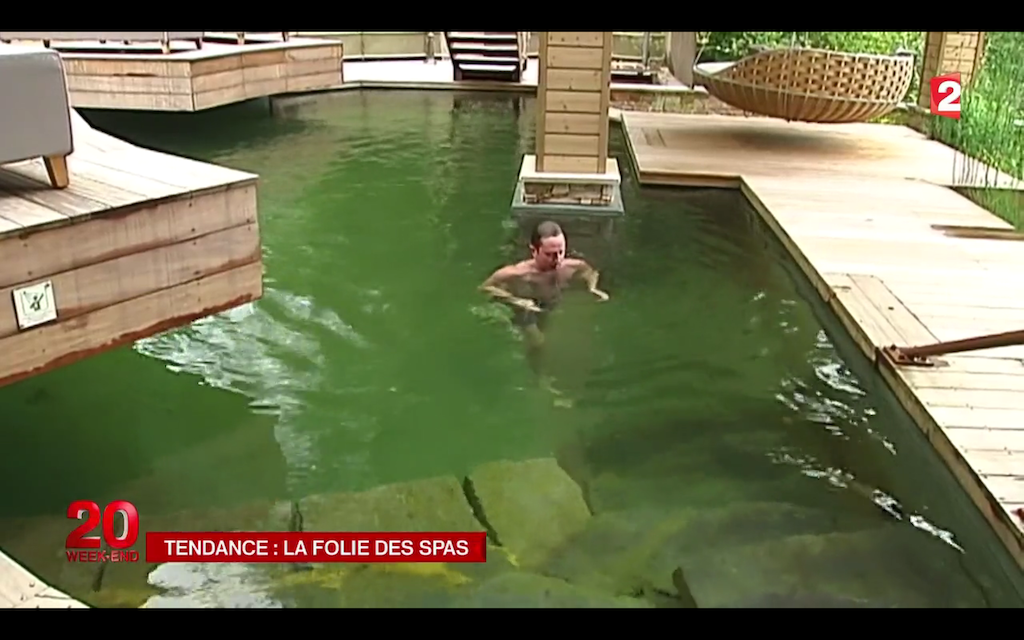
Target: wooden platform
[855, 205]
[19, 589]
[140, 77]
[139, 243]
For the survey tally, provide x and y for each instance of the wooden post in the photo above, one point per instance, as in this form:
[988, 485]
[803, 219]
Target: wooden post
[949, 52]
[571, 167]
[573, 92]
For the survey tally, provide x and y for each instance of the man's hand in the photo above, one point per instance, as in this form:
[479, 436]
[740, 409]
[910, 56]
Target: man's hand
[527, 304]
[601, 295]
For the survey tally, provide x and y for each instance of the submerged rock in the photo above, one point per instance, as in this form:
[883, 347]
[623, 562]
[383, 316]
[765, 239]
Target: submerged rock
[417, 585]
[432, 504]
[805, 601]
[128, 584]
[530, 591]
[611, 492]
[531, 506]
[640, 549]
[424, 584]
[191, 585]
[895, 565]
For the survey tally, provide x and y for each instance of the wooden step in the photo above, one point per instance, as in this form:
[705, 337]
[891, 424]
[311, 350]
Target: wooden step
[486, 55]
[483, 48]
[483, 36]
[464, 59]
[488, 73]
[487, 68]
[633, 77]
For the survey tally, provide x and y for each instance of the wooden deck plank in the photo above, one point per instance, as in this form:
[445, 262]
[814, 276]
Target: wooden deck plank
[941, 379]
[8, 226]
[140, 77]
[857, 206]
[136, 274]
[105, 194]
[18, 213]
[998, 463]
[20, 182]
[21, 590]
[985, 439]
[104, 176]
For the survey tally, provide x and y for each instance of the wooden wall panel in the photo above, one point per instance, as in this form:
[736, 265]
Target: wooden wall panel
[950, 52]
[573, 95]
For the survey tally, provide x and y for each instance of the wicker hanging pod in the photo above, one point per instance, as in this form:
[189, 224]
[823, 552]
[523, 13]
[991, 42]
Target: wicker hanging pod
[810, 85]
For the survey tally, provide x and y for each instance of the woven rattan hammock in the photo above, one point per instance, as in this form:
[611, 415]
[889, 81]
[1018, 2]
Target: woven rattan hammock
[810, 85]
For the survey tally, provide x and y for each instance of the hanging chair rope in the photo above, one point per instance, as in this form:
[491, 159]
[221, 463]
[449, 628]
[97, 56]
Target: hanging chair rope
[788, 72]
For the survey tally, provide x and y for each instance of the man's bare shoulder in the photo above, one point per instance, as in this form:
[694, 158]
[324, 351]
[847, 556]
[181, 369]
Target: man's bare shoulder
[575, 264]
[514, 270]
[520, 268]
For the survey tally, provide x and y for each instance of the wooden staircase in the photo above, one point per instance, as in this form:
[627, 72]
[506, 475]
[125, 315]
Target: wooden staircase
[487, 55]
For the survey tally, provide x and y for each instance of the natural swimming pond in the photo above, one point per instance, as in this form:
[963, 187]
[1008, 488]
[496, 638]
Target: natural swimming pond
[725, 450]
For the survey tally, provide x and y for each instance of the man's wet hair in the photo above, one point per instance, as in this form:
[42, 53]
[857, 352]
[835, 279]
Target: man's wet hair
[546, 229]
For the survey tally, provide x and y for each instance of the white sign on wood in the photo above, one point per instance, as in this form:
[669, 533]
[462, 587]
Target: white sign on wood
[34, 304]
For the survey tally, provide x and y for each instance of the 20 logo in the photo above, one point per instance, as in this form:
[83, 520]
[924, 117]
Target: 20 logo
[78, 539]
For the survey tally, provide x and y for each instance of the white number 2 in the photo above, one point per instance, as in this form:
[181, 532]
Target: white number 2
[947, 104]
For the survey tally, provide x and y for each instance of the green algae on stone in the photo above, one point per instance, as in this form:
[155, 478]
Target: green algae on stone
[118, 598]
[202, 585]
[608, 554]
[873, 566]
[531, 591]
[413, 585]
[804, 601]
[639, 550]
[532, 506]
[499, 560]
[431, 504]
[613, 492]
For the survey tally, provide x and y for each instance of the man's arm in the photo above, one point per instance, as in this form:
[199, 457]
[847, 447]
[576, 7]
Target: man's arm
[585, 272]
[589, 275]
[494, 284]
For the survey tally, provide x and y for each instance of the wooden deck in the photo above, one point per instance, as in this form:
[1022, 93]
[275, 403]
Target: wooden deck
[140, 77]
[855, 205]
[19, 589]
[139, 243]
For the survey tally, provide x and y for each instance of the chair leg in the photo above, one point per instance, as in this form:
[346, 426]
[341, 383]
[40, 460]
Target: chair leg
[165, 46]
[57, 170]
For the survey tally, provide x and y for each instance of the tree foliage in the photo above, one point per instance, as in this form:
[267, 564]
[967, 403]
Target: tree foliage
[989, 132]
[731, 45]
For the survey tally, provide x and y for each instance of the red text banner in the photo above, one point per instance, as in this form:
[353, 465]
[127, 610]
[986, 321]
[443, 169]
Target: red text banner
[315, 547]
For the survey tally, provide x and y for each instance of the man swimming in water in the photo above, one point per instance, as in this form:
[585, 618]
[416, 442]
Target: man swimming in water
[534, 287]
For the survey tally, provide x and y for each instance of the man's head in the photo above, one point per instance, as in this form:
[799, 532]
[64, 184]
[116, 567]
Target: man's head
[547, 244]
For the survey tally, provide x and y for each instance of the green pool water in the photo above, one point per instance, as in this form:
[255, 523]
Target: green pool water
[720, 424]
